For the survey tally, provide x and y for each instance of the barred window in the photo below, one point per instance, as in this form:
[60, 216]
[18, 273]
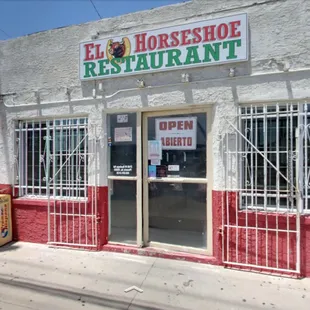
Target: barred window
[269, 156]
[51, 157]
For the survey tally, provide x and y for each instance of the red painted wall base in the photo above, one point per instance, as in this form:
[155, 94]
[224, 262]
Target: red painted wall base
[5, 189]
[30, 220]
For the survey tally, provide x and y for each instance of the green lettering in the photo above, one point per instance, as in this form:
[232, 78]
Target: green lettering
[213, 50]
[102, 69]
[173, 58]
[128, 61]
[142, 63]
[89, 68]
[192, 56]
[232, 48]
[116, 67]
[160, 59]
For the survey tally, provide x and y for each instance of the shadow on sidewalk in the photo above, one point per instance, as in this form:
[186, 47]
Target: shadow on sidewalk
[12, 246]
[117, 302]
[100, 299]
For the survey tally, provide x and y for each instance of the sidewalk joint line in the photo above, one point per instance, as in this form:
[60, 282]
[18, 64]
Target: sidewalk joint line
[136, 293]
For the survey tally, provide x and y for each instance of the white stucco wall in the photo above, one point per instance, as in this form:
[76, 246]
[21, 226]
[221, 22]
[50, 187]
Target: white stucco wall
[48, 63]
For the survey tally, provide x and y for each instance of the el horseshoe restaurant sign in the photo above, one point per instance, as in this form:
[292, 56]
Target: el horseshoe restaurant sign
[208, 42]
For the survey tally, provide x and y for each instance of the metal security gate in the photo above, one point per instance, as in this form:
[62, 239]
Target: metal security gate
[72, 199]
[56, 160]
[266, 173]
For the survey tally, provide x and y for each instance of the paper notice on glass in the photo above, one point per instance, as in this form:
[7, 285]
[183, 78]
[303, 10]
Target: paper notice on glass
[155, 162]
[152, 171]
[123, 134]
[173, 168]
[122, 118]
[154, 150]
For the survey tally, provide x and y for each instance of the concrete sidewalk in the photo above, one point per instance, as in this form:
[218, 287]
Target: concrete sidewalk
[37, 277]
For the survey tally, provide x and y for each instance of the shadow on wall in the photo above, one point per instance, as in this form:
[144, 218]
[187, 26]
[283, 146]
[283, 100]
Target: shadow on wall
[228, 140]
[206, 84]
[118, 88]
[228, 155]
[4, 138]
[159, 83]
[177, 93]
[211, 90]
[123, 92]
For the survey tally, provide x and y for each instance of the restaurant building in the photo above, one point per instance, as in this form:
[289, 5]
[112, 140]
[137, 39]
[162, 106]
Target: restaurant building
[178, 132]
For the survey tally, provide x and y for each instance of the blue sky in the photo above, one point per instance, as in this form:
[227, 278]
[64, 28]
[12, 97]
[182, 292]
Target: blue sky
[21, 17]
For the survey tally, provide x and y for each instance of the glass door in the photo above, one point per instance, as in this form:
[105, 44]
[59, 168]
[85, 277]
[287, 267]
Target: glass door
[124, 176]
[175, 179]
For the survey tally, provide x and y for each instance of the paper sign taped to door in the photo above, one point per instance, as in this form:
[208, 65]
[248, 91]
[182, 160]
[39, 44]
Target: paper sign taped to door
[155, 162]
[154, 150]
[123, 134]
[122, 118]
[177, 133]
[173, 167]
[152, 171]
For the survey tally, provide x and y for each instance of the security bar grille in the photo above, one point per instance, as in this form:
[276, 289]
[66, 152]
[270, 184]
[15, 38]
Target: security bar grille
[72, 221]
[268, 156]
[266, 164]
[43, 165]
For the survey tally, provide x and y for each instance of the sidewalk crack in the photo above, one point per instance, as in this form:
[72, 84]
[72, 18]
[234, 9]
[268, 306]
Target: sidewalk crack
[133, 298]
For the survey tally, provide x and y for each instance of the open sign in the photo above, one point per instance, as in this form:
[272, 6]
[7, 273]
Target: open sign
[178, 133]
